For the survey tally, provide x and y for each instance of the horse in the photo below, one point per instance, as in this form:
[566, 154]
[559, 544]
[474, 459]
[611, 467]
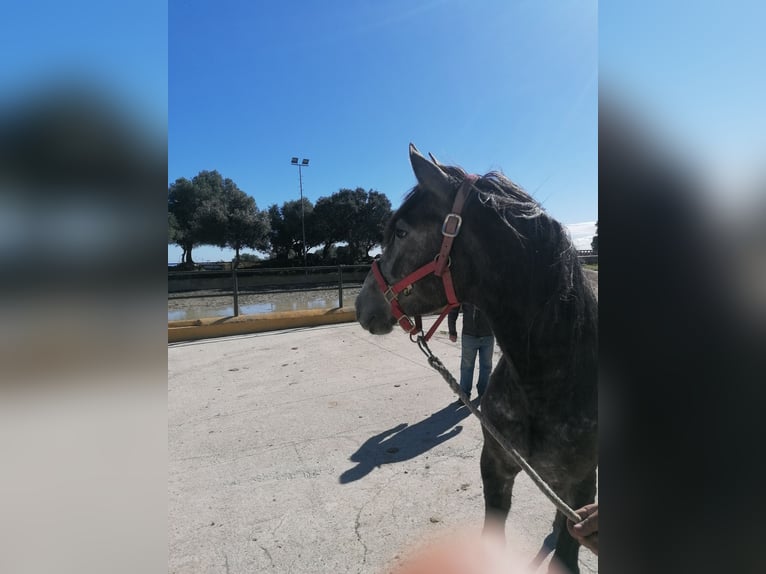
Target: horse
[511, 259]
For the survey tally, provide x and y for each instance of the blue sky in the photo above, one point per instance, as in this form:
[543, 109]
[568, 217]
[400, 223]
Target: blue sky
[348, 84]
[119, 47]
[693, 71]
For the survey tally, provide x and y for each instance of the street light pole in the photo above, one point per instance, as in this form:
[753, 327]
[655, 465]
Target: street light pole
[303, 163]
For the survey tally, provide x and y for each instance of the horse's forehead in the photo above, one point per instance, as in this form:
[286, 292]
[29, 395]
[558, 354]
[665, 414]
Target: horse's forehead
[416, 206]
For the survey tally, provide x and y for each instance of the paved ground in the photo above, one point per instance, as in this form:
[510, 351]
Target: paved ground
[322, 450]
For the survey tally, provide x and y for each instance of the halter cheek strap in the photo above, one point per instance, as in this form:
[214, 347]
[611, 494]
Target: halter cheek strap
[440, 267]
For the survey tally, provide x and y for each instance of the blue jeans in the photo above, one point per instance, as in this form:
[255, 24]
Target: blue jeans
[484, 347]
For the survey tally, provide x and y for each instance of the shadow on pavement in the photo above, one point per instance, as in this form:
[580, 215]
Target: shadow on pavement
[548, 546]
[404, 442]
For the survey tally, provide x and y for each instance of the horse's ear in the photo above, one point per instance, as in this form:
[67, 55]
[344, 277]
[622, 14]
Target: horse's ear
[429, 175]
[434, 160]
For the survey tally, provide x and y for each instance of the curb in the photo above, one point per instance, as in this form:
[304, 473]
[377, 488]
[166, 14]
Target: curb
[191, 330]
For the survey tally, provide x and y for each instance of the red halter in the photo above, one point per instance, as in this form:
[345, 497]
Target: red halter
[440, 266]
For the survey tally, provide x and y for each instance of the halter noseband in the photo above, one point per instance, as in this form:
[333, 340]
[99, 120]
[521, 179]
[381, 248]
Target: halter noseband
[440, 266]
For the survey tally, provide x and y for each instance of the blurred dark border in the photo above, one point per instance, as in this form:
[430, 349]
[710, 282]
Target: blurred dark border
[83, 182]
[681, 306]
[83, 334]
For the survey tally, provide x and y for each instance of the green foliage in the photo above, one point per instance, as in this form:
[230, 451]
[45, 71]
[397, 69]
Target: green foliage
[184, 201]
[356, 216]
[246, 226]
[286, 235]
[594, 241]
[211, 210]
[374, 216]
[250, 257]
[172, 228]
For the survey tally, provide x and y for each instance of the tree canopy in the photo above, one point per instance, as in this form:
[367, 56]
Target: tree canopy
[212, 210]
[355, 216]
[184, 201]
[594, 241]
[286, 233]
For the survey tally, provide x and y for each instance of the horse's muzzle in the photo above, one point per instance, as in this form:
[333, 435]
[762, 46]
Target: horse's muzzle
[372, 311]
[377, 323]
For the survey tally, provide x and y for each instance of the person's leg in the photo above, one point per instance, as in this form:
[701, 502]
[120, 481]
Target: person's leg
[467, 361]
[486, 348]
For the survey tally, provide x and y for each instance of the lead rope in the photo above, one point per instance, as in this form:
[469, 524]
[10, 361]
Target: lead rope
[434, 361]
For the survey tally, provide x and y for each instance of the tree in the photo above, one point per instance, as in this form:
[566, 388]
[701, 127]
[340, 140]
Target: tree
[286, 233]
[234, 218]
[212, 210]
[246, 225]
[280, 245]
[328, 225]
[594, 241]
[172, 228]
[374, 216]
[355, 216]
[184, 201]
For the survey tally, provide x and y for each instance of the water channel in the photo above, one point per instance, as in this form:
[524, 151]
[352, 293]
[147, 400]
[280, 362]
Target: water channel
[180, 309]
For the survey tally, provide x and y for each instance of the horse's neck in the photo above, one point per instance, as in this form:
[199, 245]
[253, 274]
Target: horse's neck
[536, 325]
[549, 363]
[519, 336]
[526, 282]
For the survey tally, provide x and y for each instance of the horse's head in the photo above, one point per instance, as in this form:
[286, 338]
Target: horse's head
[412, 240]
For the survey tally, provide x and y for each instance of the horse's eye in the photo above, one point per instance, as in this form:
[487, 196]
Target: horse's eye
[401, 233]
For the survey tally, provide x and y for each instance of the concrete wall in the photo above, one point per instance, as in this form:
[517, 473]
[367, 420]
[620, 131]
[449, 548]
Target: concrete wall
[223, 327]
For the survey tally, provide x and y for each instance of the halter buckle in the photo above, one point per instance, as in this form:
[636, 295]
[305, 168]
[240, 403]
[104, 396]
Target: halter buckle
[451, 225]
[390, 295]
[406, 323]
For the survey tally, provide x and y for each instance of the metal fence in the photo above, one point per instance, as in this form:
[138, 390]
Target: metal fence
[219, 281]
[188, 284]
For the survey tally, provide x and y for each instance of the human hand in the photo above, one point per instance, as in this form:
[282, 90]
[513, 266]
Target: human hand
[586, 531]
[453, 338]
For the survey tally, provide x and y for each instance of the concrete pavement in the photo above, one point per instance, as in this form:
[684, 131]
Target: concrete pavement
[323, 449]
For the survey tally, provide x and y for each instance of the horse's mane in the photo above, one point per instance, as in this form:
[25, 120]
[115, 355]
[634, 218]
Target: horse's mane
[542, 237]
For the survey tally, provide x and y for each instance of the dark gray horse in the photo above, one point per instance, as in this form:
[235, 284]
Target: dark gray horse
[519, 266]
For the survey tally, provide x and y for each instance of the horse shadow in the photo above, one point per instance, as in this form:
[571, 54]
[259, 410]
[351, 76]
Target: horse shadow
[548, 546]
[404, 441]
